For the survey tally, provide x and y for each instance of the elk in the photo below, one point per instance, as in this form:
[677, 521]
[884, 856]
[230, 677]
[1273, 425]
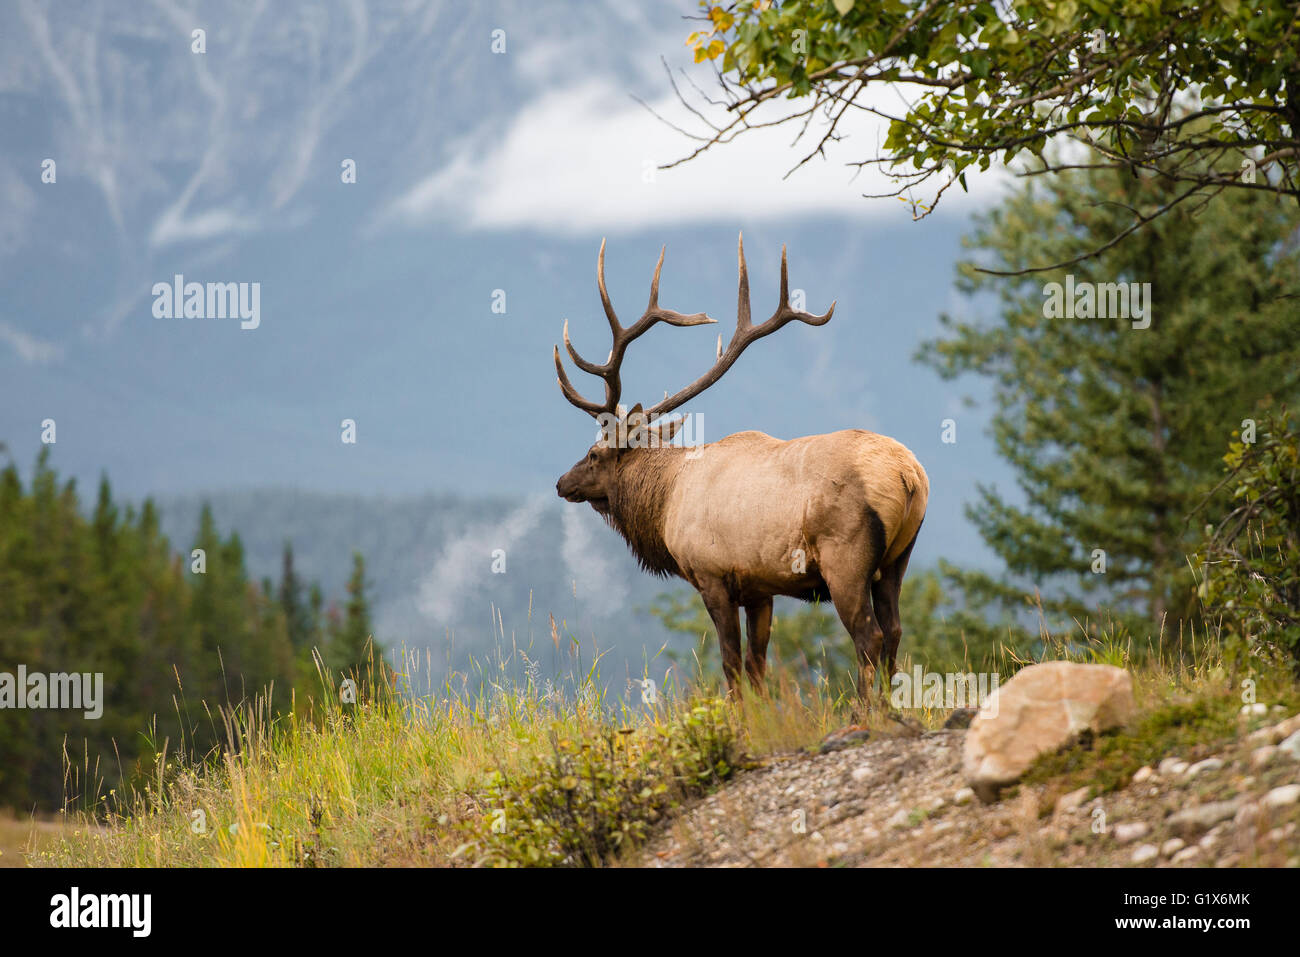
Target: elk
[749, 517]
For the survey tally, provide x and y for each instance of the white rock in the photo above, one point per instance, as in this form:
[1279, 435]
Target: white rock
[1209, 764]
[1172, 846]
[861, 774]
[1253, 710]
[1291, 747]
[963, 796]
[899, 818]
[1172, 767]
[1142, 774]
[1127, 832]
[1284, 796]
[1187, 854]
[1262, 756]
[1144, 852]
[1069, 802]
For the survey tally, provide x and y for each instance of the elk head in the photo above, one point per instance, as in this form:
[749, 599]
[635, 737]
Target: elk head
[594, 478]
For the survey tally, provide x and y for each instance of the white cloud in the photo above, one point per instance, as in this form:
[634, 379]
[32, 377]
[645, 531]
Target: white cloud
[598, 584]
[578, 159]
[29, 348]
[466, 562]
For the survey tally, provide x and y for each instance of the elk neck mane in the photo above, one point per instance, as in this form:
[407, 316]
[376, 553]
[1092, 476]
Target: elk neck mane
[638, 502]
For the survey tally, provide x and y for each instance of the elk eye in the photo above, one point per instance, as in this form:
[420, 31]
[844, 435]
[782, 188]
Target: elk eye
[591, 457]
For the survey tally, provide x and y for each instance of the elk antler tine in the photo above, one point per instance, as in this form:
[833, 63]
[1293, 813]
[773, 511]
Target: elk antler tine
[742, 296]
[579, 361]
[654, 283]
[785, 280]
[569, 391]
[604, 294]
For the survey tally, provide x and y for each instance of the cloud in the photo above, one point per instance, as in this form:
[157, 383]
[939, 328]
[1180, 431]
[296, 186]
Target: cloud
[584, 158]
[466, 562]
[598, 584]
[30, 349]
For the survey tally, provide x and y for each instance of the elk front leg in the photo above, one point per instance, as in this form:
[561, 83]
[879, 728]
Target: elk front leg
[726, 621]
[758, 628]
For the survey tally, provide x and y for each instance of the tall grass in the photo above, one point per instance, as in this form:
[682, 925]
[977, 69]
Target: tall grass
[399, 777]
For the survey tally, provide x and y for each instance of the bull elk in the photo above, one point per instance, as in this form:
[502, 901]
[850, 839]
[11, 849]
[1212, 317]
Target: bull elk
[750, 517]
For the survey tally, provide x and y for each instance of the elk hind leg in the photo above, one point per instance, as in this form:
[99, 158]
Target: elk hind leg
[885, 599]
[851, 595]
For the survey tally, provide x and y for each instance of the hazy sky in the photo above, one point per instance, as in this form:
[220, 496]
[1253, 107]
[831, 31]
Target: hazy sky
[476, 172]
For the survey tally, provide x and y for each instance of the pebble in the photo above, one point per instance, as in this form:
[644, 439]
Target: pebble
[1142, 774]
[1172, 846]
[1129, 831]
[963, 796]
[1284, 796]
[1171, 767]
[1144, 852]
[1209, 764]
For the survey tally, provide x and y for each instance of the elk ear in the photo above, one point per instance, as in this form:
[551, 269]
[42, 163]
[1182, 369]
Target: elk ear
[665, 429]
[636, 425]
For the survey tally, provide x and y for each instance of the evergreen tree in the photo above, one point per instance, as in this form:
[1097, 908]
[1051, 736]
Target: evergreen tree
[1115, 432]
[297, 615]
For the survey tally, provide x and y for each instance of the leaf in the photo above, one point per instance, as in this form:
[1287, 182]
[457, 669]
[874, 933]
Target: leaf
[843, 6]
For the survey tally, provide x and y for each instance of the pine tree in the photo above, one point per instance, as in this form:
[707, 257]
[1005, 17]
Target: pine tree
[297, 615]
[351, 645]
[1116, 433]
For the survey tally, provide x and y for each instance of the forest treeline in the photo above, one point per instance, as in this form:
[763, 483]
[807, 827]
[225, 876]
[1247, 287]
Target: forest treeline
[177, 635]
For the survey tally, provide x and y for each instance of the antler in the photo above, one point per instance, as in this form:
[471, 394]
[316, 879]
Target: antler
[622, 339]
[745, 332]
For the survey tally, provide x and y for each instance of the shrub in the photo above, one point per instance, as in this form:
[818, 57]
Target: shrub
[588, 800]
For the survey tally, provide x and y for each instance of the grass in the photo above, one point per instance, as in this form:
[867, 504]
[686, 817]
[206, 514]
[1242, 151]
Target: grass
[532, 773]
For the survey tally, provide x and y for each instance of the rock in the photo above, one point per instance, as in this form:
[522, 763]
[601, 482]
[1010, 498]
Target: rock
[1068, 802]
[1144, 852]
[1291, 747]
[963, 796]
[1284, 796]
[1130, 831]
[1042, 709]
[1253, 710]
[1246, 814]
[861, 774]
[1263, 755]
[1274, 734]
[1142, 774]
[899, 818]
[1172, 846]
[1172, 767]
[1209, 764]
[960, 718]
[844, 738]
[1194, 820]
[1187, 854]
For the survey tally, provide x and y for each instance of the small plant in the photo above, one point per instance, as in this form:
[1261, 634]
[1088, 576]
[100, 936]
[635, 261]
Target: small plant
[591, 799]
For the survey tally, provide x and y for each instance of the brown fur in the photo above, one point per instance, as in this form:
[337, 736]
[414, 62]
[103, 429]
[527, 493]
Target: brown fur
[750, 517]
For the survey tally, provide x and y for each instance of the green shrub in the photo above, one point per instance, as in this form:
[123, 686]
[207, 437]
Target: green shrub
[588, 800]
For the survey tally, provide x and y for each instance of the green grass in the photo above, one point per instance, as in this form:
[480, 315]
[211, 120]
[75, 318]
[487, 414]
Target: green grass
[572, 777]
